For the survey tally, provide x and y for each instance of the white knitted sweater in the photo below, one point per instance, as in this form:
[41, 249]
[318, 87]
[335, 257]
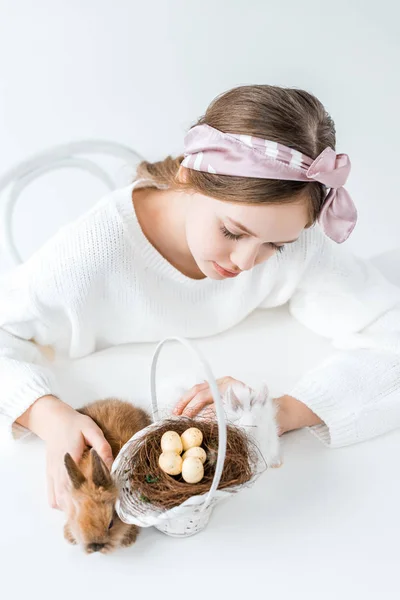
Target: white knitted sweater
[99, 282]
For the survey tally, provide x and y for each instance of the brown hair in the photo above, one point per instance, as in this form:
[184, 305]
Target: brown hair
[288, 116]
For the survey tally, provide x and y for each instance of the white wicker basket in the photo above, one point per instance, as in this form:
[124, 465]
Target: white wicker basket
[191, 516]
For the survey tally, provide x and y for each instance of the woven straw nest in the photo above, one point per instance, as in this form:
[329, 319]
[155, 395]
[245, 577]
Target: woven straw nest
[154, 487]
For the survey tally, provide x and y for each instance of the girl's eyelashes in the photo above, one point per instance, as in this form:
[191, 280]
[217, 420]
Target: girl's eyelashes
[232, 236]
[277, 248]
[229, 234]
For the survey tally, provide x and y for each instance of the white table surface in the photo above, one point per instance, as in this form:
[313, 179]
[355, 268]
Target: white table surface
[325, 525]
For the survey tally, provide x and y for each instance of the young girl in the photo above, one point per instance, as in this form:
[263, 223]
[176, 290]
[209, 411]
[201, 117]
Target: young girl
[253, 215]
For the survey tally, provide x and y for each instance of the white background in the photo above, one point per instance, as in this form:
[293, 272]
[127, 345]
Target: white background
[327, 523]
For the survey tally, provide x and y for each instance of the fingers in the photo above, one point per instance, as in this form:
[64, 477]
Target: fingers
[57, 482]
[188, 397]
[196, 405]
[199, 396]
[208, 412]
[51, 496]
[61, 492]
[57, 486]
[94, 437]
[79, 431]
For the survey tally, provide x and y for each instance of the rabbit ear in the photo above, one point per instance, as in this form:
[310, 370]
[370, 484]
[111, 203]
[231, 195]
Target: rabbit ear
[231, 399]
[75, 474]
[100, 474]
[261, 397]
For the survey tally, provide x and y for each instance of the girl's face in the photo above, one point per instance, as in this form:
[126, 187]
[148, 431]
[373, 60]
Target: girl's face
[227, 238]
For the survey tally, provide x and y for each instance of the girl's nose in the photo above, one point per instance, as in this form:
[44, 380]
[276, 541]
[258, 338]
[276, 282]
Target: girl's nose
[245, 256]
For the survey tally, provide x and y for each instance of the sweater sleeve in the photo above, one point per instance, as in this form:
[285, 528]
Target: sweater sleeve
[25, 318]
[44, 302]
[356, 392]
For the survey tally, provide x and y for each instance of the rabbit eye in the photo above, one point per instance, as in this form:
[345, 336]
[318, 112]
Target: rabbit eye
[111, 524]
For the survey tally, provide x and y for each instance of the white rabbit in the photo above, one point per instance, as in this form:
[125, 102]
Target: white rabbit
[255, 411]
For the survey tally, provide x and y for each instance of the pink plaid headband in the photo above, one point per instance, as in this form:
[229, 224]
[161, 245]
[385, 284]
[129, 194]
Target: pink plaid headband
[212, 151]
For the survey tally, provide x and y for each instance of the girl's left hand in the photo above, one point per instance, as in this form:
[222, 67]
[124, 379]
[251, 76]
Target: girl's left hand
[199, 396]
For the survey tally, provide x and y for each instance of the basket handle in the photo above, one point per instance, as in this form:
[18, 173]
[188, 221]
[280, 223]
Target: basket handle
[217, 401]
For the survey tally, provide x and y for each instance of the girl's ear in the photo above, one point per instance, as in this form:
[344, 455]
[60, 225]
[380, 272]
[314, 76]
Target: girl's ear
[75, 474]
[181, 174]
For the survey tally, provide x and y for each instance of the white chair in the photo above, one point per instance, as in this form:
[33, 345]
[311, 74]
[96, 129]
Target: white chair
[13, 182]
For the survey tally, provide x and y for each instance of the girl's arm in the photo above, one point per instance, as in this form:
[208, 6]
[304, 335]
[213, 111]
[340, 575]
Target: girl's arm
[30, 311]
[356, 392]
[293, 414]
[38, 303]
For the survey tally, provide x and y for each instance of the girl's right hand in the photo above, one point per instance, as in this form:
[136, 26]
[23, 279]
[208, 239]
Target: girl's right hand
[64, 430]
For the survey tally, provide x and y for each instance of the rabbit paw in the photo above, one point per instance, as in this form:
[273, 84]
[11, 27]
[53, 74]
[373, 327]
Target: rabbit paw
[68, 535]
[130, 536]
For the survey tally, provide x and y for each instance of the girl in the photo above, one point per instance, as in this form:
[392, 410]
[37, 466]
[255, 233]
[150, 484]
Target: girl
[252, 215]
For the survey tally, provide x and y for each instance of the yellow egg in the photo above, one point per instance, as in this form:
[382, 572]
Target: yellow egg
[170, 463]
[191, 437]
[196, 452]
[171, 442]
[192, 469]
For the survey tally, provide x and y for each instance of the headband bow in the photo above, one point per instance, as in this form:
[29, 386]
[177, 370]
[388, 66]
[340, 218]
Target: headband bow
[212, 151]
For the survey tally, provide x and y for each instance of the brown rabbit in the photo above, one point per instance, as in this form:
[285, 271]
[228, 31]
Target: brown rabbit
[92, 520]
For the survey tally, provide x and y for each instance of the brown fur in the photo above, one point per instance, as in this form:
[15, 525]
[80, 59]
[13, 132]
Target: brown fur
[93, 492]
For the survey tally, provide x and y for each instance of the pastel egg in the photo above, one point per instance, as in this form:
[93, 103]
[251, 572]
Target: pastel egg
[171, 442]
[170, 463]
[191, 437]
[196, 452]
[192, 470]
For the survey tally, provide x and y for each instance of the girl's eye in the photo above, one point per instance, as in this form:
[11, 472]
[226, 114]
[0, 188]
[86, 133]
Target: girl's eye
[111, 524]
[229, 234]
[275, 247]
